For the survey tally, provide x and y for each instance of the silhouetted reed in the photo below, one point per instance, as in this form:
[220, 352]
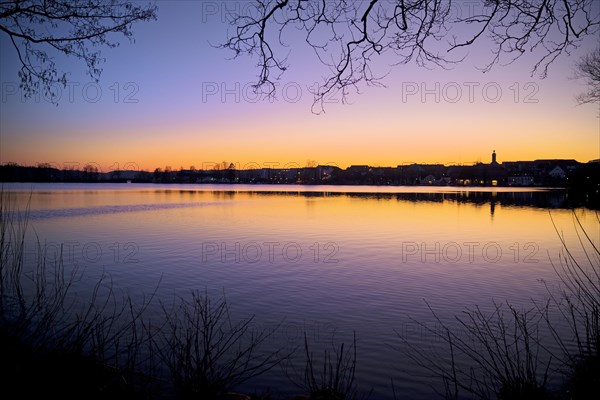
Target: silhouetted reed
[206, 353]
[102, 343]
[330, 376]
[577, 300]
[41, 311]
[511, 353]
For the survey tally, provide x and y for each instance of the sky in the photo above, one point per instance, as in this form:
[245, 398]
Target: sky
[173, 99]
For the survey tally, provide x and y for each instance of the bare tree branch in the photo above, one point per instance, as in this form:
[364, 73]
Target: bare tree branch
[39, 30]
[588, 69]
[347, 36]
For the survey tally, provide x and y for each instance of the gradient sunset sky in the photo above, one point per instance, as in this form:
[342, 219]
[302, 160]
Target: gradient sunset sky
[161, 102]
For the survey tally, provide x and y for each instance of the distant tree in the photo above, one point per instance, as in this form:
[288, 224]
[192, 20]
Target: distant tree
[39, 30]
[347, 36]
[45, 165]
[90, 172]
[168, 175]
[90, 169]
[588, 68]
[157, 175]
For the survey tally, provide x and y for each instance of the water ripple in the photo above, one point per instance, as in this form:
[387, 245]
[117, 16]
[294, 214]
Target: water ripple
[112, 209]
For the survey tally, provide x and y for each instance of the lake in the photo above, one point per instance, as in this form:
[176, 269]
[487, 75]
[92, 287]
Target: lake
[327, 260]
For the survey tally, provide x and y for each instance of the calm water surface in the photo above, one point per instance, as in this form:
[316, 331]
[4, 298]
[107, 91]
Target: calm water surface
[326, 260]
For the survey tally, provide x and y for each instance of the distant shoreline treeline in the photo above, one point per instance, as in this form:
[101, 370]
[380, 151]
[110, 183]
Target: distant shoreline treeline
[549, 173]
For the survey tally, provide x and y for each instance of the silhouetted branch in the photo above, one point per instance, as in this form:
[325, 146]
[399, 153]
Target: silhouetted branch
[346, 36]
[206, 353]
[39, 30]
[588, 69]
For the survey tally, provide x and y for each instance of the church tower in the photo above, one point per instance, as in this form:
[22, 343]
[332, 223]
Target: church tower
[494, 158]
